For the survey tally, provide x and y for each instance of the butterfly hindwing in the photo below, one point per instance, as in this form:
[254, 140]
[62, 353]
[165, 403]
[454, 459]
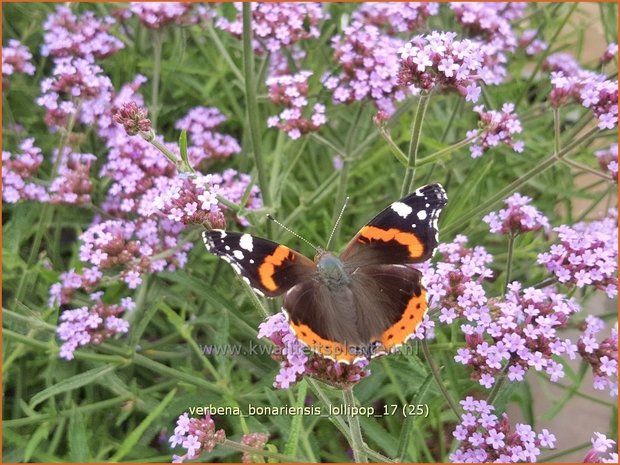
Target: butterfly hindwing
[404, 232]
[270, 268]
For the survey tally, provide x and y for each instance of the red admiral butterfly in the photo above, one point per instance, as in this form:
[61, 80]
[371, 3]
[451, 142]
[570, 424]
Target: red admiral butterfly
[364, 303]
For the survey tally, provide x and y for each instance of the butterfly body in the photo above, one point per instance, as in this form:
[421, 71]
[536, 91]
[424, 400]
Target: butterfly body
[365, 302]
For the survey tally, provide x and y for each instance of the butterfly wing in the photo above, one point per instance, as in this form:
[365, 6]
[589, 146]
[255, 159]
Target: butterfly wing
[377, 313]
[269, 268]
[405, 232]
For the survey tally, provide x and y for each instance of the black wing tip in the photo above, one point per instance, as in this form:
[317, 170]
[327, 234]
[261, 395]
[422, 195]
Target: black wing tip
[434, 191]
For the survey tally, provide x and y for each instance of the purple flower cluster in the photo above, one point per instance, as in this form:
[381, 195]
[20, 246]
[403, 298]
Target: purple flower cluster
[454, 284]
[519, 217]
[396, 17]
[156, 15]
[18, 171]
[531, 43]
[195, 435]
[586, 255]
[523, 334]
[278, 25]
[291, 91]
[254, 440]
[610, 53]
[369, 67]
[78, 88]
[73, 184]
[490, 21]
[564, 62]
[496, 127]
[591, 90]
[602, 356]
[608, 160]
[92, 325]
[485, 438]
[205, 143]
[603, 450]
[85, 36]
[16, 59]
[439, 61]
[294, 363]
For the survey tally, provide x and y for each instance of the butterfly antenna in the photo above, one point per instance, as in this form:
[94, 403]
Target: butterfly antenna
[293, 233]
[346, 201]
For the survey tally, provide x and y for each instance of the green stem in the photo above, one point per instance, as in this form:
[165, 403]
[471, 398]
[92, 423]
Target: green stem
[252, 104]
[157, 46]
[547, 163]
[150, 138]
[357, 442]
[556, 130]
[587, 169]
[261, 452]
[446, 151]
[222, 50]
[414, 144]
[551, 458]
[511, 243]
[435, 371]
[498, 385]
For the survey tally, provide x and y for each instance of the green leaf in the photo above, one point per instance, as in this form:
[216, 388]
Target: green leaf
[183, 149]
[78, 442]
[133, 438]
[297, 422]
[71, 383]
[41, 433]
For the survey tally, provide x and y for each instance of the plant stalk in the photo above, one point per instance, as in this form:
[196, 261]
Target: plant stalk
[414, 144]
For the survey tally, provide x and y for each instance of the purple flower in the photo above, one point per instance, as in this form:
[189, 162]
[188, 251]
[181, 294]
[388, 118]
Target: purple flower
[587, 254]
[484, 437]
[16, 59]
[608, 160]
[519, 217]
[195, 435]
[369, 67]
[278, 25]
[610, 53]
[602, 356]
[92, 325]
[18, 172]
[532, 44]
[206, 143]
[291, 91]
[85, 36]
[396, 17]
[603, 450]
[156, 15]
[496, 128]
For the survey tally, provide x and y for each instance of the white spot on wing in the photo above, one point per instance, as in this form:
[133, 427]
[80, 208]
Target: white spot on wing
[246, 242]
[238, 254]
[422, 215]
[402, 209]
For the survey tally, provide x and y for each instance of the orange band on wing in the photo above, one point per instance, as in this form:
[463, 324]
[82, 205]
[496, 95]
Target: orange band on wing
[409, 240]
[324, 347]
[268, 268]
[396, 334]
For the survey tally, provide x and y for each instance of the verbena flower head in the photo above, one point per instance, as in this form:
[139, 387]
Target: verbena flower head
[601, 355]
[78, 86]
[295, 363]
[439, 61]
[519, 217]
[18, 172]
[521, 334]
[291, 91]
[369, 67]
[91, 325]
[604, 450]
[156, 15]
[255, 440]
[589, 89]
[206, 142]
[484, 437]
[73, 184]
[84, 36]
[495, 128]
[610, 53]
[195, 436]
[133, 118]
[562, 61]
[396, 17]
[608, 160]
[16, 59]
[490, 21]
[586, 254]
[531, 43]
[278, 25]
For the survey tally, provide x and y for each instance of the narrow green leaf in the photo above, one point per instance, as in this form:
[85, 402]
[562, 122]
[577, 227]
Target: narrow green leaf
[78, 442]
[71, 383]
[296, 422]
[41, 433]
[183, 148]
[133, 438]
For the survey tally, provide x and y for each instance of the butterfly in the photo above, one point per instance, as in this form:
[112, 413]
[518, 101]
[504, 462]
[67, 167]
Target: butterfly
[363, 303]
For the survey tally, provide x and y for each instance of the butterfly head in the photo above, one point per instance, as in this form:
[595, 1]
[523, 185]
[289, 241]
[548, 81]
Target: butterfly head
[331, 270]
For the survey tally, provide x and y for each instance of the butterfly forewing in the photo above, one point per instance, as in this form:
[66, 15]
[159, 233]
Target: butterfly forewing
[405, 232]
[270, 268]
